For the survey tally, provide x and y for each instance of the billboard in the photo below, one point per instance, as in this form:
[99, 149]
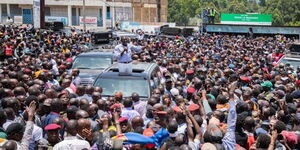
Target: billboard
[89, 21]
[246, 19]
[36, 13]
[57, 19]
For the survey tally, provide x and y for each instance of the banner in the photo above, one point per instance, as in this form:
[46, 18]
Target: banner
[18, 19]
[89, 21]
[246, 19]
[57, 19]
[36, 13]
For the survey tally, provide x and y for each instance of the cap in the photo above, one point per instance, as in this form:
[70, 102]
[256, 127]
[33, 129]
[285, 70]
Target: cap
[298, 81]
[177, 109]
[14, 128]
[69, 60]
[189, 72]
[62, 67]
[259, 131]
[191, 90]
[246, 79]
[161, 112]
[296, 94]
[52, 127]
[231, 66]
[115, 106]
[267, 84]
[174, 92]
[193, 107]
[247, 58]
[123, 119]
[63, 93]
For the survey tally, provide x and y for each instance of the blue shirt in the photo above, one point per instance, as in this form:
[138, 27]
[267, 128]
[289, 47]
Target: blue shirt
[126, 57]
[50, 117]
[228, 140]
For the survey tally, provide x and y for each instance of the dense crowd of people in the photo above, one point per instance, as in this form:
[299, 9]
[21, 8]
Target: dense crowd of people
[216, 92]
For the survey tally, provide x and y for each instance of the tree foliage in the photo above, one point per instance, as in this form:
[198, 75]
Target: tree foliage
[284, 12]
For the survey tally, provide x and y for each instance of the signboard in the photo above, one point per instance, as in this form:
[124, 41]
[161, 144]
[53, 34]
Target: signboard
[57, 19]
[89, 21]
[18, 19]
[36, 13]
[246, 19]
[108, 23]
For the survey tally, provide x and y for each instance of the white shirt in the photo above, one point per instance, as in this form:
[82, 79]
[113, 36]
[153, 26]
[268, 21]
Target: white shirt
[7, 123]
[37, 134]
[72, 143]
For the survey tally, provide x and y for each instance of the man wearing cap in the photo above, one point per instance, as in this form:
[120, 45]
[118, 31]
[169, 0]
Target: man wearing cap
[123, 54]
[72, 142]
[52, 134]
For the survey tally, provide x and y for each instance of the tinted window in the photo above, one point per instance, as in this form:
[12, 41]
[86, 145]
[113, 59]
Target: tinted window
[126, 85]
[92, 62]
[294, 63]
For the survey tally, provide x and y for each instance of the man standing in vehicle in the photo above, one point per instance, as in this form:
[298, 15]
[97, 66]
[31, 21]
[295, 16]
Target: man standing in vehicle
[123, 53]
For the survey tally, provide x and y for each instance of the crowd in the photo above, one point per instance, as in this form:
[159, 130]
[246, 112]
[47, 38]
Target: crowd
[216, 92]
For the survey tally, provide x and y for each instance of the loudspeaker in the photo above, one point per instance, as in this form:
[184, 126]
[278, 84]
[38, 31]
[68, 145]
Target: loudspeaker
[187, 32]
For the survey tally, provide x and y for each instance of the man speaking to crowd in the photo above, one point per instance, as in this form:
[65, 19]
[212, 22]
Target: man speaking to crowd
[123, 54]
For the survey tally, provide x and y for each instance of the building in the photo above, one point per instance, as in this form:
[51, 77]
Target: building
[101, 13]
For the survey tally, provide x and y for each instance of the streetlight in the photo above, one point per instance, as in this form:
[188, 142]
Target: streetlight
[84, 25]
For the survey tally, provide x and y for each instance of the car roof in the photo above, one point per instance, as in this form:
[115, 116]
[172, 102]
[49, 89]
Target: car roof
[139, 69]
[88, 54]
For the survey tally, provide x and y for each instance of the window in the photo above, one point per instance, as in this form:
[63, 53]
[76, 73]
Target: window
[47, 11]
[108, 13]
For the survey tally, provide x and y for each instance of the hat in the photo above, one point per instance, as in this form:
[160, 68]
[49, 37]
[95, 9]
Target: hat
[191, 90]
[168, 80]
[63, 93]
[174, 92]
[14, 128]
[267, 84]
[231, 66]
[208, 146]
[52, 127]
[298, 81]
[123, 119]
[177, 109]
[291, 137]
[214, 131]
[189, 71]
[26, 70]
[296, 94]
[247, 58]
[69, 60]
[264, 69]
[193, 107]
[115, 106]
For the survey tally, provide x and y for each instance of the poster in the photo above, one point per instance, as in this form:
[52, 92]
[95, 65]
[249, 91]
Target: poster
[89, 21]
[36, 13]
[18, 19]
[246, 19]
[57, 19]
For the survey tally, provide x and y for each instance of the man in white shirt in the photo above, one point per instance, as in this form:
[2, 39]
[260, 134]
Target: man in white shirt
[71, 141]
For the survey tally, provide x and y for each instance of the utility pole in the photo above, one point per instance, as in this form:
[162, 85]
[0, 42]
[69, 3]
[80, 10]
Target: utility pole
[84, 24]
[42, 16]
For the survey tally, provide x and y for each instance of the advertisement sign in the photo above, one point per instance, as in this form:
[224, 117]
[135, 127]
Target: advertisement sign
[36, 13]
[89, 21]
[57, 19]
[18, 19]
[246, 19]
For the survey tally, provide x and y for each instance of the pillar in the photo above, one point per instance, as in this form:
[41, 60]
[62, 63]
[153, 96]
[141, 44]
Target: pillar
[77, 16]
[113, 15]
[104, 16]
[69, 15]
[8, 10]
[0, 12]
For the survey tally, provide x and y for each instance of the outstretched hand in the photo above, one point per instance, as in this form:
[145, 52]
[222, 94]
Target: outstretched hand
[31, 110]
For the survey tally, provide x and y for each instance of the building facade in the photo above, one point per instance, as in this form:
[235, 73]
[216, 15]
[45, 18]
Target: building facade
[101, 13]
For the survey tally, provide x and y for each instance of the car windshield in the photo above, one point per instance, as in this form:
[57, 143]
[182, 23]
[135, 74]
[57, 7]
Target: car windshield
[294, 63]
[92, 62]
[125, 85]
